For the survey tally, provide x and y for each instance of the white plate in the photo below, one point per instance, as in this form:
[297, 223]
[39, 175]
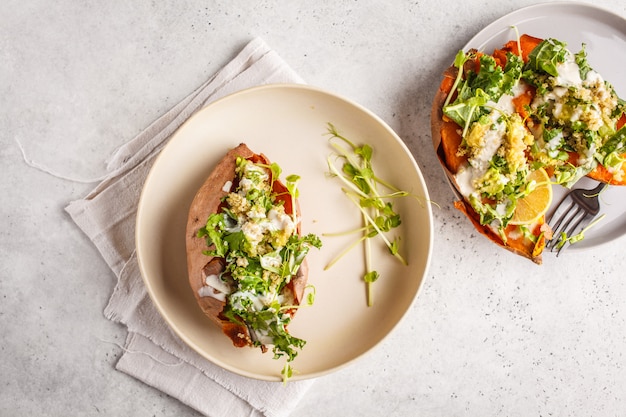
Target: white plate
[604, 34]
[287, 123]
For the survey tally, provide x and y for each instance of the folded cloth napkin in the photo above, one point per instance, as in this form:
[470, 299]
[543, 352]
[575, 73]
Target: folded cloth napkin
[152, 352]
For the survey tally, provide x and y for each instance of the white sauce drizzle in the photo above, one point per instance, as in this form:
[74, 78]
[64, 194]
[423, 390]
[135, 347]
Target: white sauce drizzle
[214, 287]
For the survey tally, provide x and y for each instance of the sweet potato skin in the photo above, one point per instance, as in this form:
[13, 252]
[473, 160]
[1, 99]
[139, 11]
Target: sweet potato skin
[519, 246]
[206, 202]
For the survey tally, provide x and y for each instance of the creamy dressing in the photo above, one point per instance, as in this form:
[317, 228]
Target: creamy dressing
[206, 291]
[280, 221]
[253, 232]
[493, 140]
[569, 72]
[594, 77]
[557, 96]
[617, 173]
[275, 221]
[505, 103]
[215, 282]
[465, 180]
[271, 260]
[240, 299]
[516, 234]
[479, 163]
[588, 156]
[227, 186]
[254, 170]
[245, 185]
[262, 336]
[249, 300]
[214, 287]
[256, 212]
[555, 141]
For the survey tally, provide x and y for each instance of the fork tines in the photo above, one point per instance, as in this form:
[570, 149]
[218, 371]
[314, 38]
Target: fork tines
[583, 207]
[572, 219]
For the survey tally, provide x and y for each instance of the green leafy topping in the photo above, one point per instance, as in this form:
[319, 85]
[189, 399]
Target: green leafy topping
[477, 89]
[581, 61]
[613, 147]
[364, 188]
[459, 61]
[578, 236]
[263, 252]
[569, 126]
[371, 276]
[546, 56]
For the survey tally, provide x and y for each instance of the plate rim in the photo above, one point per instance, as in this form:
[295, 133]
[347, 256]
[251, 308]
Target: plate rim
[536, 7]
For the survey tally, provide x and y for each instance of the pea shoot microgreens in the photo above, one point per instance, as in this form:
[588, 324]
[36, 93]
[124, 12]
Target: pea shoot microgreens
[578, 236]
[363, 188]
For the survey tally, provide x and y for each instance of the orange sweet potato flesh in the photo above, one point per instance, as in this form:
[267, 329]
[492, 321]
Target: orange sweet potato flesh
[451, 140]
[446, 133]
[526, 43]
[206, 202]
[522, 102]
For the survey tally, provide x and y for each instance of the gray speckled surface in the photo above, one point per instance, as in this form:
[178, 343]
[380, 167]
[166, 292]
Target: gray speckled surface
[488, 335]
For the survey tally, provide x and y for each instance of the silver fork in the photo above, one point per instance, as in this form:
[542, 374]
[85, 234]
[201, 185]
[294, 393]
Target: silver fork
[584, 206]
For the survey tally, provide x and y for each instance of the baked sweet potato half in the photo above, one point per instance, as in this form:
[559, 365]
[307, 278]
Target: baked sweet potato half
[245, 255]
[530, 109]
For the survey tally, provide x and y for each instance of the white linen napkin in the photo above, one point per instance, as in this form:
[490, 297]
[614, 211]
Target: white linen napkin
[153, 353]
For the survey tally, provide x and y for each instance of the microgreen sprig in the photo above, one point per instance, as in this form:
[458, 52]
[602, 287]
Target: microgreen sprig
[578, 236]
[352, 165]
[459, 61]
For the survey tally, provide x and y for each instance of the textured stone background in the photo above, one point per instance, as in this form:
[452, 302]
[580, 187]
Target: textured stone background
[490, 333]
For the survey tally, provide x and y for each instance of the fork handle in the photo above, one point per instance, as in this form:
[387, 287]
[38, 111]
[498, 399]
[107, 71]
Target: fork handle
[600, 187]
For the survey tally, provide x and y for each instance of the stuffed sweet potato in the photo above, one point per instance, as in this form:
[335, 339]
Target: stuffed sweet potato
[531, 109]
[245, 255]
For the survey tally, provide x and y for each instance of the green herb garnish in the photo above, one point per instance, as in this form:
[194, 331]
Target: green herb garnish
[546, 56]
[578, 236]
[353, 166]
[262, 251]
